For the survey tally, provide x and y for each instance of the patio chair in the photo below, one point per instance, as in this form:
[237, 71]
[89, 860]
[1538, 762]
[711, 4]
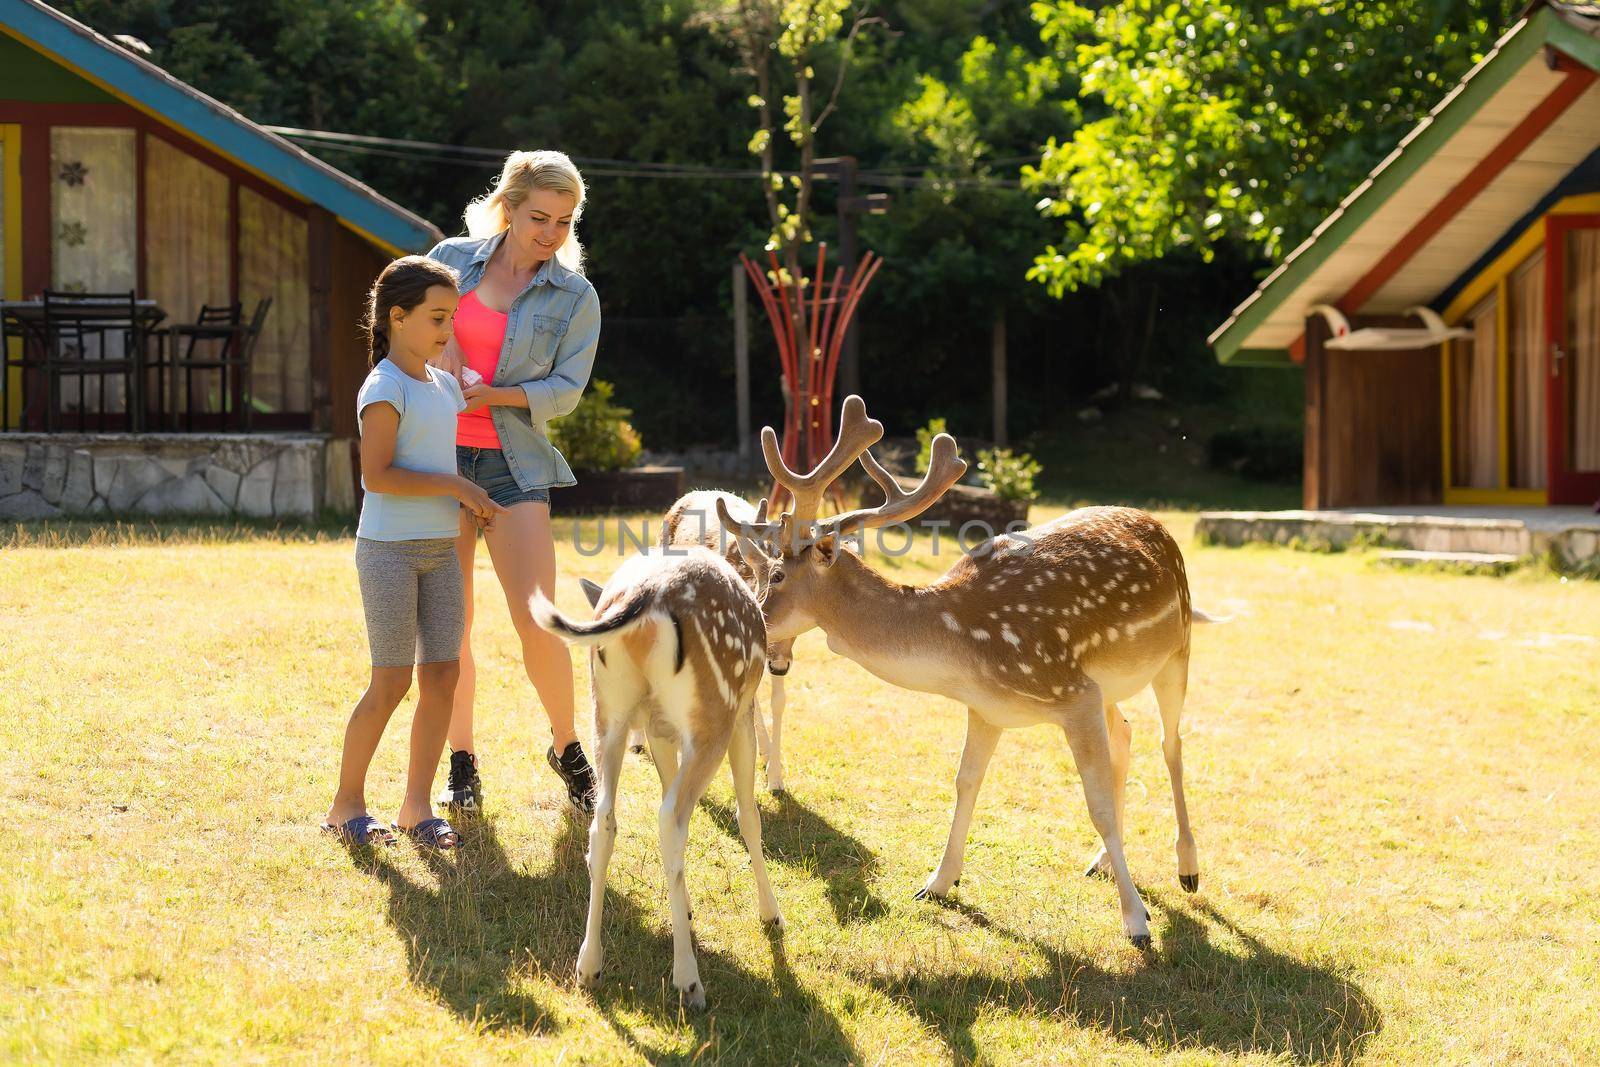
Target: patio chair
[93, 335]
[216, 325]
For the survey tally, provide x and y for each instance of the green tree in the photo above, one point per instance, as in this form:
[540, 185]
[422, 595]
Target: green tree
[1227, 122]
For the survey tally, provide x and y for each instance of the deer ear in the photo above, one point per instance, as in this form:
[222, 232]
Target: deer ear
[590, 590]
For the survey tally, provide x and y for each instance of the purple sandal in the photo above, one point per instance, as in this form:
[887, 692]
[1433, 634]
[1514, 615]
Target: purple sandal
[361, 830]
[432, 833]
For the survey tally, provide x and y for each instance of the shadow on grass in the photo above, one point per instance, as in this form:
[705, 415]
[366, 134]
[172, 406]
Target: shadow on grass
[488, 931]
[1191, 993]
[798, 837]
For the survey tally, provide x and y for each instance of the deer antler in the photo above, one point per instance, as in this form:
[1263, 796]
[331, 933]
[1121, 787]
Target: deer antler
[945, 468]
[857, 433]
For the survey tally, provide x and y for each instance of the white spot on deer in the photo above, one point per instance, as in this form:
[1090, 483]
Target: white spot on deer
[951, 621]
[995, 614]
[1024, 668]
[1123, 606]
[1055, 690]
[1013, 639]
[980, 634]
[1112, 634]
[1094, 639]
[1061, 632]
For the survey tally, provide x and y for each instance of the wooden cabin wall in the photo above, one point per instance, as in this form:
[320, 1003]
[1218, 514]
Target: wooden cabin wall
[355, 266]
[274, 262]
[1372, 423]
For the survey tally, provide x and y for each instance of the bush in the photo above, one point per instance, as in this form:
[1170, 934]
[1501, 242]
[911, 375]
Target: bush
[925, 437]
[1009, 476]
[597, 435]
[1260, 453]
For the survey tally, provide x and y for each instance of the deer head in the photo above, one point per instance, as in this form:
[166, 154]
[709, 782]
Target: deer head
[793, 556]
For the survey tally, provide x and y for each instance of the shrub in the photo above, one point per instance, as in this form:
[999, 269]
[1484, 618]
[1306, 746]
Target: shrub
[597, 435]
[1260, 453]
[925, 437]
[1009, 476]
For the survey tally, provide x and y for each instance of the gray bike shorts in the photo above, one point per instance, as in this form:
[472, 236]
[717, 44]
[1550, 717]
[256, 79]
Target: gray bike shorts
[414, 600]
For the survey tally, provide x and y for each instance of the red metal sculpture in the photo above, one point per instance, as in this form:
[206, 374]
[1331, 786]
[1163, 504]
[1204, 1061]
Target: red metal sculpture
[809, 341]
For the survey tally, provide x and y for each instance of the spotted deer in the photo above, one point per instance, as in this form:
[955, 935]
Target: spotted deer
[692, 520]
[1053, 624]
[676, 649]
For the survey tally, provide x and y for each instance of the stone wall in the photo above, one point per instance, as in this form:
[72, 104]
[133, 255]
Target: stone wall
[262, 476]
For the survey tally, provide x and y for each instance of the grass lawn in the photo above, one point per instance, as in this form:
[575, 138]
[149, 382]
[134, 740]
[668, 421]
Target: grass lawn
[1391, 777]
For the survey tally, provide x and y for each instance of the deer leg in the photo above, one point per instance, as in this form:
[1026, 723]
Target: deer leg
[1085, 727]
[676, 807]
[763, 742]
[982, 736]
[1121, 735]
[742, 761]
[663, 752]
[1171, 684]
[775, 750]
[602, 836]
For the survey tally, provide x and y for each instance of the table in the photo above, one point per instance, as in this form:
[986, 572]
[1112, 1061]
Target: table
[27, 316]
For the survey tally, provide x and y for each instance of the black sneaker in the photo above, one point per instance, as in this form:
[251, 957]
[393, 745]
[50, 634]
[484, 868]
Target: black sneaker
[574, 770]
[464, 791]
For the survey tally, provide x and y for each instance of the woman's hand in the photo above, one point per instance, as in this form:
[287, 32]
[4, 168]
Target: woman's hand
[482, 394]
[475, 500]
[451, 359]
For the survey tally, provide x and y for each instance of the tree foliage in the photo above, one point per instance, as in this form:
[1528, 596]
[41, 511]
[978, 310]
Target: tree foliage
[1233, 121]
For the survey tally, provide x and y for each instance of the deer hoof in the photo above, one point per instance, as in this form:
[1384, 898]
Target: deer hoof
[1190, 882]
[1141, 942]
[777, 790]
[637, 750]
[694, 997]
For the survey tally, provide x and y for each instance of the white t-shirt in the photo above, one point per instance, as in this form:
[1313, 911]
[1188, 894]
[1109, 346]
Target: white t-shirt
[425, 442]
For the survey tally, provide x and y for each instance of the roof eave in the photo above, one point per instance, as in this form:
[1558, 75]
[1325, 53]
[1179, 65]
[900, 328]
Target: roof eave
[154, 90]
[1509, 55]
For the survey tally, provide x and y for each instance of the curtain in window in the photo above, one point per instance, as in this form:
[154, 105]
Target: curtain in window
[1583, 351]
[94, 234]
[1474, 428]
[1526, 340]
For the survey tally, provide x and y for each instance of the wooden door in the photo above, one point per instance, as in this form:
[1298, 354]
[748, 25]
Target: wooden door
[1572, 295]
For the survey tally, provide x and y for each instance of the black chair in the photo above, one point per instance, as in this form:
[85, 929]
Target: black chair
[216, 341]
[93, 335]
[218, 328]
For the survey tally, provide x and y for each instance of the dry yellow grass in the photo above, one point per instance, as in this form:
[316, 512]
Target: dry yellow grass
[1392, 778]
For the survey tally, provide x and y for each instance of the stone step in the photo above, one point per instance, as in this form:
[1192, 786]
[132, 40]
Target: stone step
[1476, 562]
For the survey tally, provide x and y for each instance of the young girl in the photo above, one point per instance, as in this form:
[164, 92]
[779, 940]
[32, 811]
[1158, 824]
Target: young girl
[411, 588]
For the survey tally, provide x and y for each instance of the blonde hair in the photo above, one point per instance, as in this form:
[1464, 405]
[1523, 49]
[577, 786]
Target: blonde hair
[523, 173]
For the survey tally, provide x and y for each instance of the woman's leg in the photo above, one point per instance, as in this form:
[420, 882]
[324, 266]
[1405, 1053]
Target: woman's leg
[466, 687]
[524, 555]
[384, 693]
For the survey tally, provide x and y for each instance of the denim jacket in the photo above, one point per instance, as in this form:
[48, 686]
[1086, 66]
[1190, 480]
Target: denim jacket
[552, 329]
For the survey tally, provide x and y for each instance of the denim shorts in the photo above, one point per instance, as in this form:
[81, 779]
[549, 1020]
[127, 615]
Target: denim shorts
[486, 468]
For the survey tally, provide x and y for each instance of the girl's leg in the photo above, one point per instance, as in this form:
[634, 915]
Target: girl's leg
[524, 555]
[440, 623]
[436, 685]
[384, 693]
[466, 687]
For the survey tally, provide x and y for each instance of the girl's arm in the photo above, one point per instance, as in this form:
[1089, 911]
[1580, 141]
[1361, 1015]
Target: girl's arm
[380, 425]
[558, 392]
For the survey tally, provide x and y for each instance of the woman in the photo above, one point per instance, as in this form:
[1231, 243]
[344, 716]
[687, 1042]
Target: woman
[524, 344]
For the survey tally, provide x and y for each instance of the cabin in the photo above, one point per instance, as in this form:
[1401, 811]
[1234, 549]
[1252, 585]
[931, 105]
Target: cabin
[1447, 314]
[117, 177]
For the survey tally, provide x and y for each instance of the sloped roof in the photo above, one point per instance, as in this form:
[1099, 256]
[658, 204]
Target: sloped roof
[144, 85]
[1429, 178]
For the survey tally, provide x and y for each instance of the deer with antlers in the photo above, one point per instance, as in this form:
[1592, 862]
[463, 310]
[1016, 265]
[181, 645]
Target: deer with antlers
[1054, 624]
[677, 647]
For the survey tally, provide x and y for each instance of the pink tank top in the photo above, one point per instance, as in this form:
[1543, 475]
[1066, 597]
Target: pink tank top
[480, 332]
